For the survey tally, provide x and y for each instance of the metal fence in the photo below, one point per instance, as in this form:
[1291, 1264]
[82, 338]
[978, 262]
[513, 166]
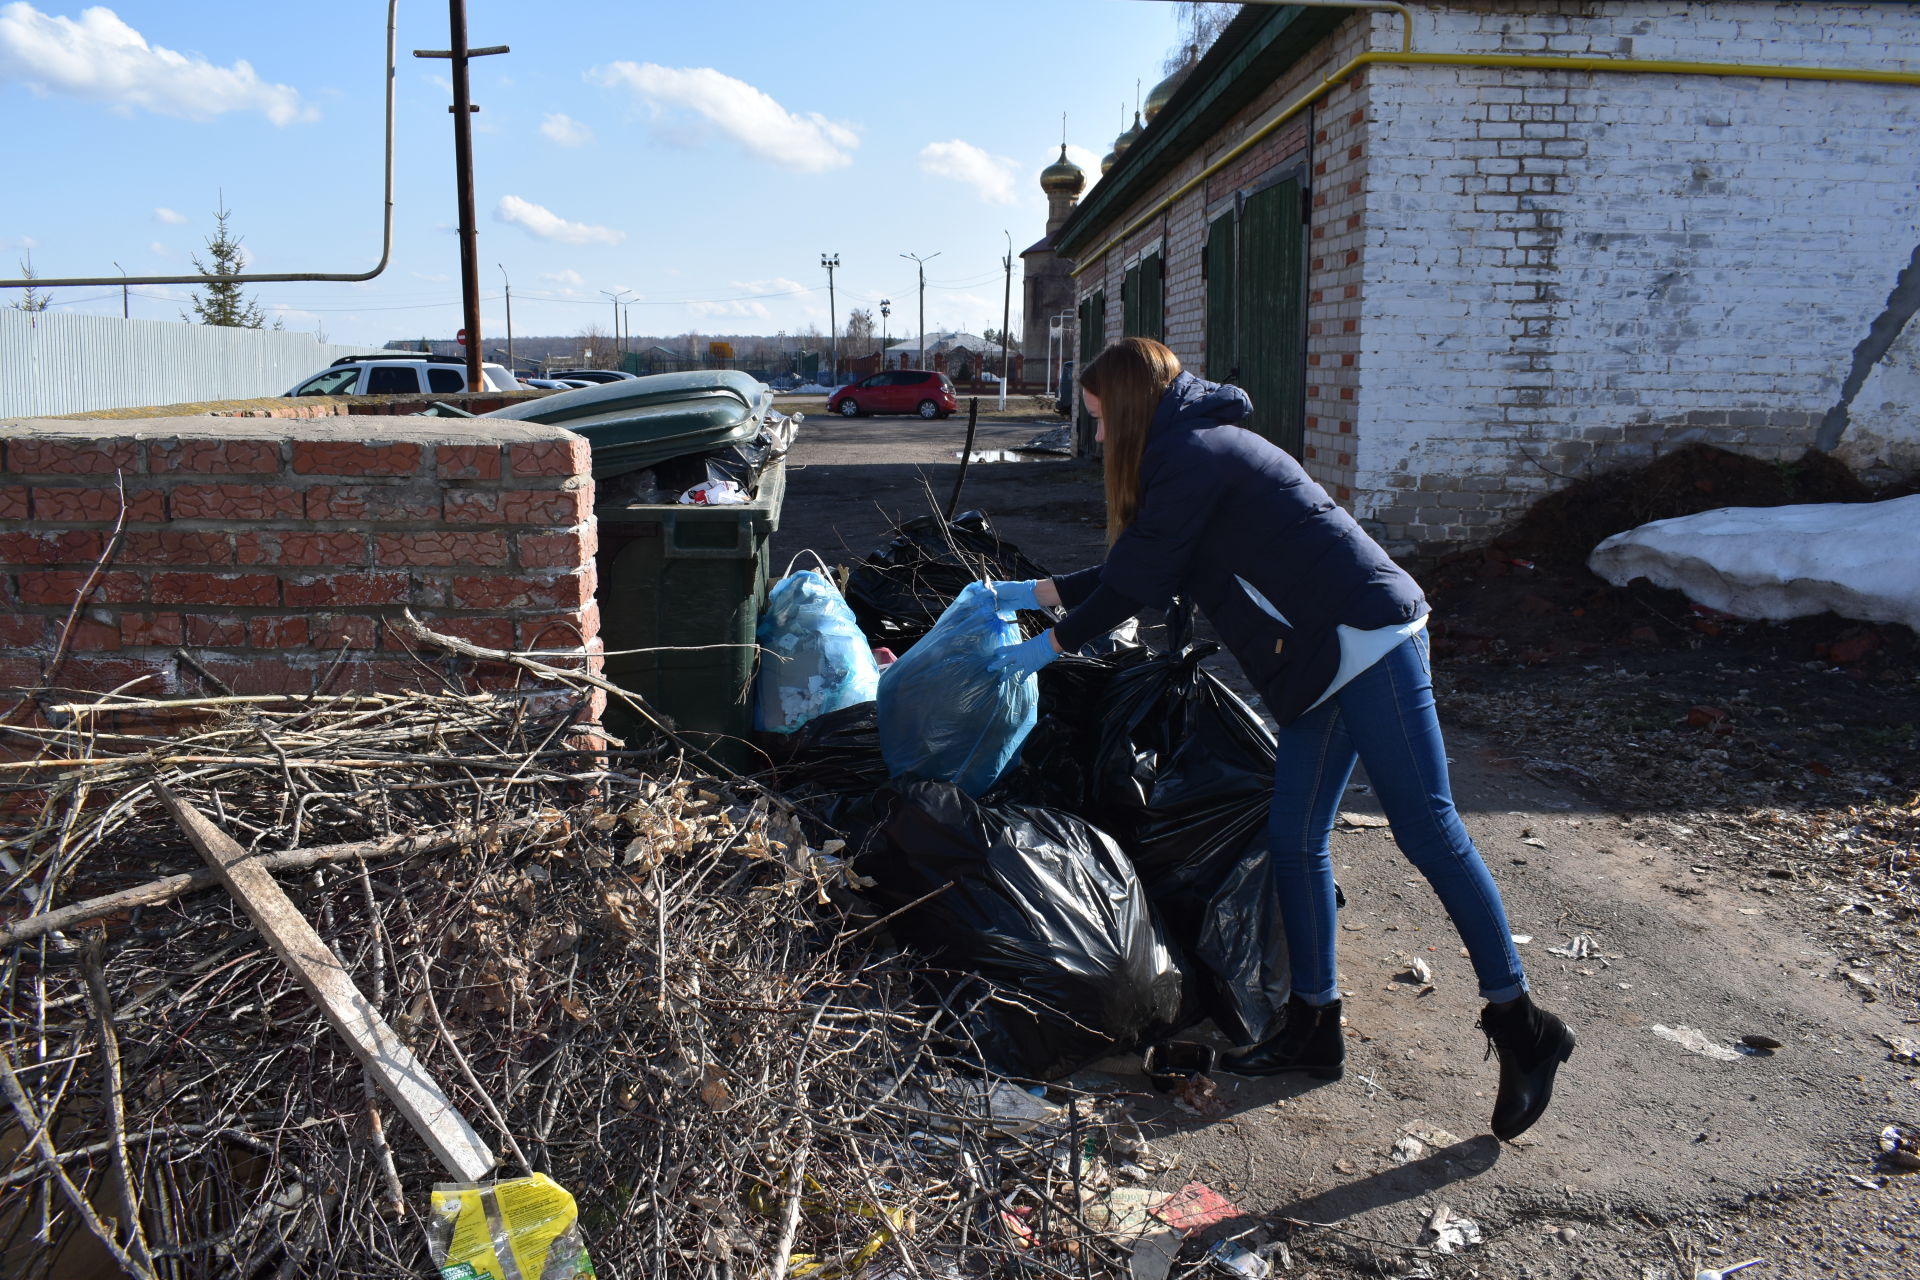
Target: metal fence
[55, 364]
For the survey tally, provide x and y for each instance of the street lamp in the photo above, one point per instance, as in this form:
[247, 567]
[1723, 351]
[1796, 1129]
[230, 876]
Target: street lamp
[503, 276]
[921, 263]
[615, 297]
[886, 309]
[831, 262]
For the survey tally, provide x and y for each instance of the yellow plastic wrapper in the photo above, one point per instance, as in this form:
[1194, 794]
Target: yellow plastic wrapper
[517, 1229]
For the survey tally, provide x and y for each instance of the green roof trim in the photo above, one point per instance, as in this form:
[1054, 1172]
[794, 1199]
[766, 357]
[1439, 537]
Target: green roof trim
[1255, 50]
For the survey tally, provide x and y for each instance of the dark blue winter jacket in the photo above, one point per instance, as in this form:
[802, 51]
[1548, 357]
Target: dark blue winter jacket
[1232, 523]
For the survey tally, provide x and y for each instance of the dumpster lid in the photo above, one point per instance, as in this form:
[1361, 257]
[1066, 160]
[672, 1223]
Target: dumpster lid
[638, 422]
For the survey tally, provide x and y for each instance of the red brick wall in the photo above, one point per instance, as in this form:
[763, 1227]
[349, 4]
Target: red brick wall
[265, 554]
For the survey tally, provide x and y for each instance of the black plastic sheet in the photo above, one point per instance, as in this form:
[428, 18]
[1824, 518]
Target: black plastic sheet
[1044, 907]
[900, 590]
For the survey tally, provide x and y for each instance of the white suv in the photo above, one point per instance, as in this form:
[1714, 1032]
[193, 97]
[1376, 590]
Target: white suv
[404, 373]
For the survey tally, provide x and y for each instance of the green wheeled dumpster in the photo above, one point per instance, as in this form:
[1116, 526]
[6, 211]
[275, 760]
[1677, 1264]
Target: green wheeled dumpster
[681, 585]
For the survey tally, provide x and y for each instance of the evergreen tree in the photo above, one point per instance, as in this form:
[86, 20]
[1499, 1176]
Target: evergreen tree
[31, 299]
[221, 302]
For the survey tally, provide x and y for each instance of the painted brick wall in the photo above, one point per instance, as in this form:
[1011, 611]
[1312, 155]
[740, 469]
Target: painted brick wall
[1333, 140]
[267, 553]
[1566, 272]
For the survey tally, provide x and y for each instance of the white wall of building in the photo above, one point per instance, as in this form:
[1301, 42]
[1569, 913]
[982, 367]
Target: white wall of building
[1567, 271]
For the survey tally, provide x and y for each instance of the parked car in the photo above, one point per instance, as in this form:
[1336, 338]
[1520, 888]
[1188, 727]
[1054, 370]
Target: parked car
[591, 375]
[920, 391]
[401, 373]
[552, 384]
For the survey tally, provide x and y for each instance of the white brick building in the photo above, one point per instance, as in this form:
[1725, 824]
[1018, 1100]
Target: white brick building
[1555, 238]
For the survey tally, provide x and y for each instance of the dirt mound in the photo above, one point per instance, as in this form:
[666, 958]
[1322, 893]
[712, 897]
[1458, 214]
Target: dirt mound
[1563, 527]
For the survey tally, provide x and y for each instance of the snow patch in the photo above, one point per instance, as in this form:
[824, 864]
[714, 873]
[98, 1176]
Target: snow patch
[1860, 560]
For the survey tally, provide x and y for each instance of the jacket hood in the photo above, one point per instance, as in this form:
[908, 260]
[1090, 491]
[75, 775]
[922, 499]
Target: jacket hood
[1195, 402]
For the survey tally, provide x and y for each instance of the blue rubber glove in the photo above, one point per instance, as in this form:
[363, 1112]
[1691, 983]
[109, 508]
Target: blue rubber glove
[1011, 597]
[1021, 660]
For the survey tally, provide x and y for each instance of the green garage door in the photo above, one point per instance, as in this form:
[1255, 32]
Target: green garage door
[1271, 328]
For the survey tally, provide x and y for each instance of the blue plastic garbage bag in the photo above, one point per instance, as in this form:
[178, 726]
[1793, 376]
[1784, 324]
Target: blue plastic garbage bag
[943, 716]
[813, 656]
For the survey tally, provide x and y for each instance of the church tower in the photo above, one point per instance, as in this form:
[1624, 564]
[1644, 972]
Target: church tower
[1048, 287]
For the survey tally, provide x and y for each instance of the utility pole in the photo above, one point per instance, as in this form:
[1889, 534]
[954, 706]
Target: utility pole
[886, 309]
[503, 275]
[1006, 319]
[832, 263]
[626, 347]
[614, 297]
[123, 289]
[922, 264]
[462, 110]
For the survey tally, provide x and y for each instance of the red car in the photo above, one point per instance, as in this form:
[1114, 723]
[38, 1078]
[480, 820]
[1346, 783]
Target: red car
[920, 391]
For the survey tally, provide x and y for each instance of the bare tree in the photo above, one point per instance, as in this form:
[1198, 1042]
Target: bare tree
[597, 344]
[859, 330]
[1200, 25]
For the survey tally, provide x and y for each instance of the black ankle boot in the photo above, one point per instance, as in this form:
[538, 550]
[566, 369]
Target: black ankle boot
[1309, 1040]
[1532, 1044]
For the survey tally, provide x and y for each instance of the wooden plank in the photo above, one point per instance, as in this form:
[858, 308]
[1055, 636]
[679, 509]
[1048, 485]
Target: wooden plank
[413, 1090]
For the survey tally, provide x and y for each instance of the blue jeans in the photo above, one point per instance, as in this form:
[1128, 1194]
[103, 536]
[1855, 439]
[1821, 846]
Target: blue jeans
[1384, 717]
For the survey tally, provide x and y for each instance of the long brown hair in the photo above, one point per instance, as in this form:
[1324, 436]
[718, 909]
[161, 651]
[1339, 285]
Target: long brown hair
[1129, 377]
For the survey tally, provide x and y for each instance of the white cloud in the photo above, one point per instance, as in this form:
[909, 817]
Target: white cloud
[565, 131]
[169, 217]
[548, 225]
[808, 143]
[990, 176]
[567, 276]
[158, 250]
[748, 305]
[18, 242]
[100, 57]
[431, 277]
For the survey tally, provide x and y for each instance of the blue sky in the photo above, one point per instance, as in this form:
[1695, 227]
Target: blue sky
[701, 156]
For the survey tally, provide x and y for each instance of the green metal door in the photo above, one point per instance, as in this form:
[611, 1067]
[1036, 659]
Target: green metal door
[1223, 329]
[1273, 312]
[1093, 340]
[1143, 301]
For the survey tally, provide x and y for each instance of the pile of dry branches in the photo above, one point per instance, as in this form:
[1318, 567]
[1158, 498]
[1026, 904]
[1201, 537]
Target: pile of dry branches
[643, 983]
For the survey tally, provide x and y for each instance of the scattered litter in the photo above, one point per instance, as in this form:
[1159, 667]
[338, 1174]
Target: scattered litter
[1535, 841]
[1761, 1043]
[1579, 947]
[1900, 1147]
[1201, 1096]
[1153, 1256]
[716, 493]
[536, 1230]
[1407, 1149]
[1418, 971]
[1721, 1273]
[1059, 441]
[1231, 1259]
[1168, 1064]
[1863, 983]
[1195, 1206]
[1363, 820]
[1126, 1213]
[1522, 939]
[1444, 1232]
[1696, 1042]
[1874, 1183]
[1901, 1049]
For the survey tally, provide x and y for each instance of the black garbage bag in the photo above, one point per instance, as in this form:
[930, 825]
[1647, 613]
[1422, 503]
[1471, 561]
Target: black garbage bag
[1043, 907]
[1160, 754]
[832, 767]
[899, 591]
[741, 463]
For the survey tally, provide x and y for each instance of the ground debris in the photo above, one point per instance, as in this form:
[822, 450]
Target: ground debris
[637, 980]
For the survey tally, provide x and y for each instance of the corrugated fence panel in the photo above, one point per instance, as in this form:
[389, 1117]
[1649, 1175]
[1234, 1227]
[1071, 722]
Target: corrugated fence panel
[54, 364]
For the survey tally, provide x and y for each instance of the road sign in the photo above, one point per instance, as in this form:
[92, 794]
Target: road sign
[461, 337]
